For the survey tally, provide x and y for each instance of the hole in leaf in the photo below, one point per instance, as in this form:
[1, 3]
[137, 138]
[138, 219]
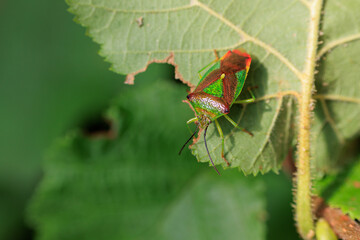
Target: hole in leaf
[99, 127]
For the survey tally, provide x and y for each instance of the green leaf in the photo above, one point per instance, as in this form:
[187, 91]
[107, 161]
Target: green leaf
[342, 190]
[232, 207]
[278, 38]
[136, 186]
[338, 99]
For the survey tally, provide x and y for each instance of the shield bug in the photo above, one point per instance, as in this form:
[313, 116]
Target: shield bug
[217, 91]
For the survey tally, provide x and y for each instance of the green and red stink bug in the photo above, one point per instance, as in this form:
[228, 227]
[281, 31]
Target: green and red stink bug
[217, 91]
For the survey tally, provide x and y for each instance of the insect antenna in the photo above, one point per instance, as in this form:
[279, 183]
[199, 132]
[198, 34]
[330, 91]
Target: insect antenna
[197, 129]
[208, 151]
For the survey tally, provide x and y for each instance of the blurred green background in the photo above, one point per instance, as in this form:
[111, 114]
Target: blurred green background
[53, 80]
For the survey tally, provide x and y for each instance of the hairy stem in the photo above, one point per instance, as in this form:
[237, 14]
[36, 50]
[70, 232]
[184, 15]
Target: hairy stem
[303, 211]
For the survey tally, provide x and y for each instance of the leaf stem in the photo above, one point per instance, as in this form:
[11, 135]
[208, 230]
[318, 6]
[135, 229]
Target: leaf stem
[303, 210]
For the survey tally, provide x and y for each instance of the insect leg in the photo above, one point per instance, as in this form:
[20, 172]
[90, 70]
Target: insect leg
[250, 100]
[235, 125]
[216, 55]
[194, 119]
[222, 141]
[211, 63]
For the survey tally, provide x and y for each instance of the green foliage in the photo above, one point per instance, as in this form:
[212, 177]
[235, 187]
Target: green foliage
[343, 190]
[130, 188]
[338, 103]
[277, 39]
[134, 186]
[49, 82]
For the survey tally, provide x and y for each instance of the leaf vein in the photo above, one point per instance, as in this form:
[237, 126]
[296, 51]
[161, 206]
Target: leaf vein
[252, 39]
[107, 25]
[337, 98]
[90, 14]
[268, 135]
[274, 17]
[176, 9]
[305, 3]
[336, 43]
[250, 13]
[347, 12]
[331, 121]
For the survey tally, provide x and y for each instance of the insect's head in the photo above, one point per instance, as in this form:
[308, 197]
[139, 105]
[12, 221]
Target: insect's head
[203, 121]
